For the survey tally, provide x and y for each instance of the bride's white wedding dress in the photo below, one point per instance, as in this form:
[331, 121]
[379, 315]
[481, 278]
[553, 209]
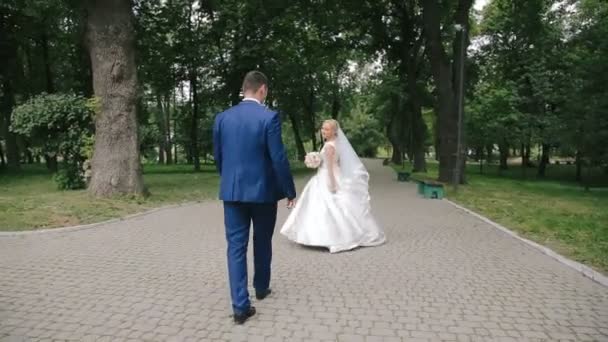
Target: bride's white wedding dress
[340, 220]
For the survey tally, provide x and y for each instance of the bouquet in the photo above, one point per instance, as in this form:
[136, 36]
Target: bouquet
[312, 160]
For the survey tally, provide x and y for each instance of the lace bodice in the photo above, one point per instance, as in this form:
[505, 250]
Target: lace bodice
[325, 163]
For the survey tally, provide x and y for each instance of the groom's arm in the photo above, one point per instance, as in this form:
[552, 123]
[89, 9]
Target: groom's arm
[217, 146]
[278, 156]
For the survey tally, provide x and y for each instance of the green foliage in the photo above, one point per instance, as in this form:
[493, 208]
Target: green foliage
[69, 177]
[492, 116]
[542, 74]
[62, 125]
[585, 94]
[364, 131]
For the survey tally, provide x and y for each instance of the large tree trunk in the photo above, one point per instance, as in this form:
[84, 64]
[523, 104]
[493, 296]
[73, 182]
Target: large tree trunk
[296, 133]
[116, 167]
[448, 85]
[194, 147]
[544, 161]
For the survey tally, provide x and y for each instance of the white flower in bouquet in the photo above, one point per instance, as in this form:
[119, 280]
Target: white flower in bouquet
[312, 160]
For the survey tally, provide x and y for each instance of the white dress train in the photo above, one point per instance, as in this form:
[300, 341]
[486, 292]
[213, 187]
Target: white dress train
[339, 221]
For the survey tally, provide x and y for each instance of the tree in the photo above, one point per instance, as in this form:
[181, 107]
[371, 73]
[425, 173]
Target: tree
[9, 18]
[586, 97]
[116, 167]
[524, 48]
[157, 62]
[448, 81]
[493, 117]
[397, 31]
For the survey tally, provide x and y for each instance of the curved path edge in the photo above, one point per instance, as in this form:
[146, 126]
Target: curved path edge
[577, 266]
[94, 224]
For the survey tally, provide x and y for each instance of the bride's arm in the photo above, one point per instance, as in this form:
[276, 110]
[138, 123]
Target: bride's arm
[331, 157]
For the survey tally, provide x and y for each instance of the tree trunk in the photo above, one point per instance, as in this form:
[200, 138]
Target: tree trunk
[160, 122]
[167, 138]
[29, 157]
[51, 162]
[335, 106]
[489, 153]
[419, 129]
[194, 147]
[397, 157]
[481, 160]
[524, 151]
[410, 62]
[579, 166]
[6, 107]
[8, 70]
[116, 167]
[296, 133]
[175, 146]
[310, 111]
[436, 143]
[86, 73]
[503, 149]
[448, 84]
[544, 160]
[44, 42]
[2, 160]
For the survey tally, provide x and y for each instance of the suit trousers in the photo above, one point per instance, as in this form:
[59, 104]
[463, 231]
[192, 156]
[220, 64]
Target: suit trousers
[238, 217]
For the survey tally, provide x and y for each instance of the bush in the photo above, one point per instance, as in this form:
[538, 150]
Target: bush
[69, 178]
[59, 124]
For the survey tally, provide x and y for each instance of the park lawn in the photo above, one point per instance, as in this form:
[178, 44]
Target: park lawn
[556, 212]
[30, 199]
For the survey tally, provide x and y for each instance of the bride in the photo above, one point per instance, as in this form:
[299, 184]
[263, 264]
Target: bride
[334, 209]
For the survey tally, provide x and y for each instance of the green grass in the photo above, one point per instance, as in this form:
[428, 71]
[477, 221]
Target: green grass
[30, 199]
[554, 212]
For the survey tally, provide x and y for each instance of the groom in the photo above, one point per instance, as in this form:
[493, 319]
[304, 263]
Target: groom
[255, 174]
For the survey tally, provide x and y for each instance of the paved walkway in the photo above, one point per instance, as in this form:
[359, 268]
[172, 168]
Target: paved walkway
[443, 275]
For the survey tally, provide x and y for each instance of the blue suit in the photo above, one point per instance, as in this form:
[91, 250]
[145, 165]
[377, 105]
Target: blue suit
[255, 175]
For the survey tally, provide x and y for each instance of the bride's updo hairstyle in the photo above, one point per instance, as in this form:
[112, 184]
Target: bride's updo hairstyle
[334, 123]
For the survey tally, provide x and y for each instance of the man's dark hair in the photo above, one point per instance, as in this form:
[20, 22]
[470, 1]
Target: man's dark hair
[254, 80]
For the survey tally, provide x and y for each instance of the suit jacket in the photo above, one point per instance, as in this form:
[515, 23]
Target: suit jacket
[250, 156]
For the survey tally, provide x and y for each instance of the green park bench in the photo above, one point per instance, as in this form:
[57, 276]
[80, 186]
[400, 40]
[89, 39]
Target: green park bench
[403, 176]
[430, 189]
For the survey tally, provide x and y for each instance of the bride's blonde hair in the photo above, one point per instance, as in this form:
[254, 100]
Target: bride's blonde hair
[334, 123]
